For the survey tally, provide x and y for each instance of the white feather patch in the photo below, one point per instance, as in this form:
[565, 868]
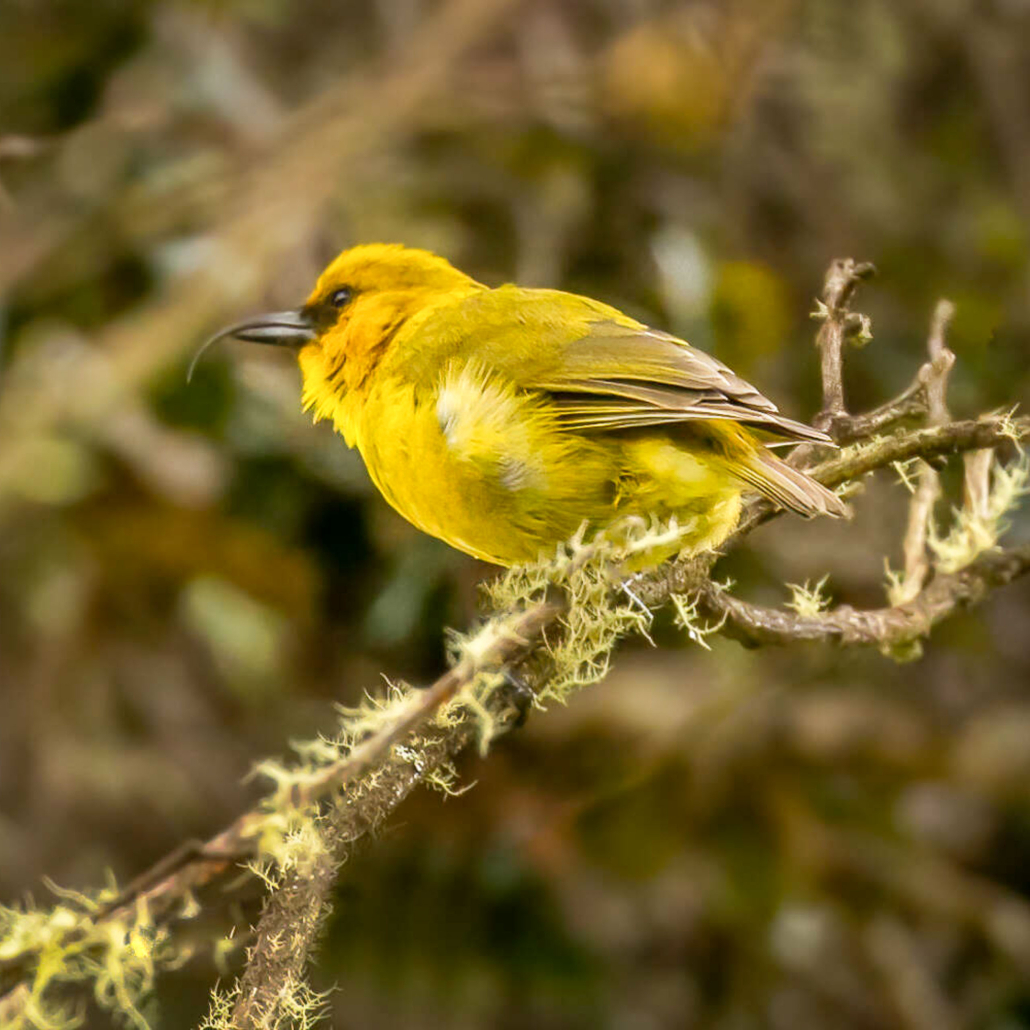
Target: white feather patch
[485, 422]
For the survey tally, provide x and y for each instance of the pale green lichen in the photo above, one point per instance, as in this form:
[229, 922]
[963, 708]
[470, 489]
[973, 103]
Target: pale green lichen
[287, 835]
[821, 313]
[66, 943]
[1008, 427]
[976, 527]
[292, 843]
[475, 700]
[809, 601]
[906, 473]
[687, 608]
[370, 716]
[223, 949]
[219, 1013]
[444, 779]
[903, 651]
[900, 589]
[589, 574]
[296, 1006]
[974, 531]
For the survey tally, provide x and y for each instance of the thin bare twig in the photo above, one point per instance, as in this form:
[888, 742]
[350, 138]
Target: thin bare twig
[928, 488]
[839, 325]
[908, 405]
[977, 482]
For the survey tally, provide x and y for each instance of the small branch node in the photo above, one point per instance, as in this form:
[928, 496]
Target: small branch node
[839, 325]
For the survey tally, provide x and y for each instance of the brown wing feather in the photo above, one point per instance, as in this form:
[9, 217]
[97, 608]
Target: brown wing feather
[619, 377]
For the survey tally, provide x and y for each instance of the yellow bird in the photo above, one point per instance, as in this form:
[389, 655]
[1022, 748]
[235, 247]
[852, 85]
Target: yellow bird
[502, 420]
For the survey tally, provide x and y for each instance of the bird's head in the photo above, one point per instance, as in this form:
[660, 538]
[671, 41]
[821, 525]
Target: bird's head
[346, 325]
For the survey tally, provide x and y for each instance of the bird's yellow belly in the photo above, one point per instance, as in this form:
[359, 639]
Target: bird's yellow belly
[493, 475]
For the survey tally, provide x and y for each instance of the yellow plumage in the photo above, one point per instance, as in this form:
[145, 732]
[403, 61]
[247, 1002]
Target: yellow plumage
[501, 420]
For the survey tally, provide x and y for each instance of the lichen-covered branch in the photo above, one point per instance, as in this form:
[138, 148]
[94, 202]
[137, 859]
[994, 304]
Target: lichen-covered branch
[890, 629]
[933, 442]
[299, 900]
[284, 827]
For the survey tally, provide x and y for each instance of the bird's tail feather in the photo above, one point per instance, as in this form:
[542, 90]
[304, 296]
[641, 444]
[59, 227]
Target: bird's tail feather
[787, 487]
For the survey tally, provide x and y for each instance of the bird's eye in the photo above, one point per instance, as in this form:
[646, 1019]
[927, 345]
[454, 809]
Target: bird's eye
[341, 297]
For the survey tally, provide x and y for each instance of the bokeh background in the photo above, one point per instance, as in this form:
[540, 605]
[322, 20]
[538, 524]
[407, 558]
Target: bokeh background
[190, 575]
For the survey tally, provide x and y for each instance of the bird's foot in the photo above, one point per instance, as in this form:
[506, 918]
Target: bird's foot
[521, 694]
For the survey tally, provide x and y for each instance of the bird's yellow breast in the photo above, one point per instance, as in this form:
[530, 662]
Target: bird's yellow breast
[472, 461]
[489, 470]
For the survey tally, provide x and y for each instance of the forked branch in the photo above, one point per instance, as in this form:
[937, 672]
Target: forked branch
[893, 629]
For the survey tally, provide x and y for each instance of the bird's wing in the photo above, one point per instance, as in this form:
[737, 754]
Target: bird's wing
[620, 376]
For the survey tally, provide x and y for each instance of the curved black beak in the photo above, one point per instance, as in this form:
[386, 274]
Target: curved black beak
[278, 329]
